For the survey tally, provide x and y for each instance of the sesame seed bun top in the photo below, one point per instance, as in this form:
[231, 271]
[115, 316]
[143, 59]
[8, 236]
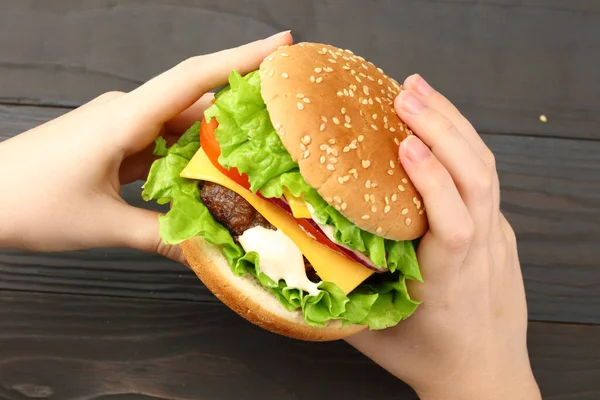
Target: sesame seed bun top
[334, 113]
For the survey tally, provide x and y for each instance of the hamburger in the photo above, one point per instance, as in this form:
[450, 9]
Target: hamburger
[288, 200]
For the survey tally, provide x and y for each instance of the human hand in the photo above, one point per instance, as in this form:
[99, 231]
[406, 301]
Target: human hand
[468, 338]
[63, 191]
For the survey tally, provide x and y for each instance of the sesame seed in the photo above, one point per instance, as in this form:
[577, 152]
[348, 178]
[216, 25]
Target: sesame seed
[334, 152]
[340, 94]
[346, 92]
[300, 106]
[346, 149]
[365, 217]
[346, 67]
[312, 78]
[306, 100]
[372, 198]
[404, 211]
[337, 199]
[343, 111]
[397, 141]
[331, 141]
[322, 127]
[299, 95]
[330, 167]
[366, 197]
[360, 138]
[328, 69]
[387, 200]
[328, 199]
[322, 160]
[374, 116]
[277, 125]
[377, 99]
[347, 125]
[306, 154]
[305, 139]
[352, 145]
[353, 72]
[370, 101]
[362, 74]
[407, 221]
[340, 180]
[331, 60]
[271, 73]
[285, 75]
[374, 184]
[323, 147]
[336, 207]
[346, 178]
[351, 93]
[347, 118]
[421, 212]
[335, 120]
[392, 164]
[302, 147]
[379, 230]
[366, 90]
[324, 118]
[269, 58]
[344, 205]
[333, 160]
[404, 180]
[358, 79]
[390, 172]
[368, 184]
[318, 70]
[352, 171]
[284, 55]
[401, 188]
[373, 209]
[366, 163]
[369, 77]
[374, 127]
[319, 79]
[394, 197]
[365, 101]
[392, 129]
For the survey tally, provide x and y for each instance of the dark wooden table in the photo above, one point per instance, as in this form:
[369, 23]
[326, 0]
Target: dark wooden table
[115, 324]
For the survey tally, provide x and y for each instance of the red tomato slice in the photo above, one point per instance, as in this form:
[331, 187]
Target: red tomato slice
[211, 147]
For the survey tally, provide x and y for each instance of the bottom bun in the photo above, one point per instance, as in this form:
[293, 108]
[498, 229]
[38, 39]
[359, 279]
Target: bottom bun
[247, 297]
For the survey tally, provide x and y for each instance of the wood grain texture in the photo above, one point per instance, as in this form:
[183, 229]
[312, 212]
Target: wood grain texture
[550, 193]
[82, 348]
[504, 63]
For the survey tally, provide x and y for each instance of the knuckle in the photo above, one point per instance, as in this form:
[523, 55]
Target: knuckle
[461, 237]
[490, 160]
[111, 95]
[481, 186]
[442, 125]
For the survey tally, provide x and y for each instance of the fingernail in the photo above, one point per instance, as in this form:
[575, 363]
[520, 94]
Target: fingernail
[414, 149]
[278, 35]
[410, 103]
[419, 85]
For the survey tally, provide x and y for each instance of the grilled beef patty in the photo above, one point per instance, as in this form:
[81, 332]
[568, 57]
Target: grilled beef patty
[237, 215]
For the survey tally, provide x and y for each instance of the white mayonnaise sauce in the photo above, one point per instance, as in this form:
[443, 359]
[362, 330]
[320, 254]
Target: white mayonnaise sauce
[280, 258]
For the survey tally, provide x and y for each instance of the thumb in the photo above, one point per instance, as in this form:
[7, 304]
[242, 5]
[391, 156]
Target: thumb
[142, 233]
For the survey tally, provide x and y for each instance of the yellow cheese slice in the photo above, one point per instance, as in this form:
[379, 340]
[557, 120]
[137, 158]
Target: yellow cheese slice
[329, 265]
[298, 206]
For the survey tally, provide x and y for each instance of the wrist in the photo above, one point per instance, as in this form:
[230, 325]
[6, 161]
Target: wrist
[521, 387]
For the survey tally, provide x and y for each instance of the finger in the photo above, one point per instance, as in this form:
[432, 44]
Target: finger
[138, 229]
[180, 123]
[434, 99]
[473, 180]
[172, 92]
[450, 225]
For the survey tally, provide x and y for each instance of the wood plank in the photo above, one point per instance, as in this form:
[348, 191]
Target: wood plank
[551, 194]
[76, 347]
[504, 63]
